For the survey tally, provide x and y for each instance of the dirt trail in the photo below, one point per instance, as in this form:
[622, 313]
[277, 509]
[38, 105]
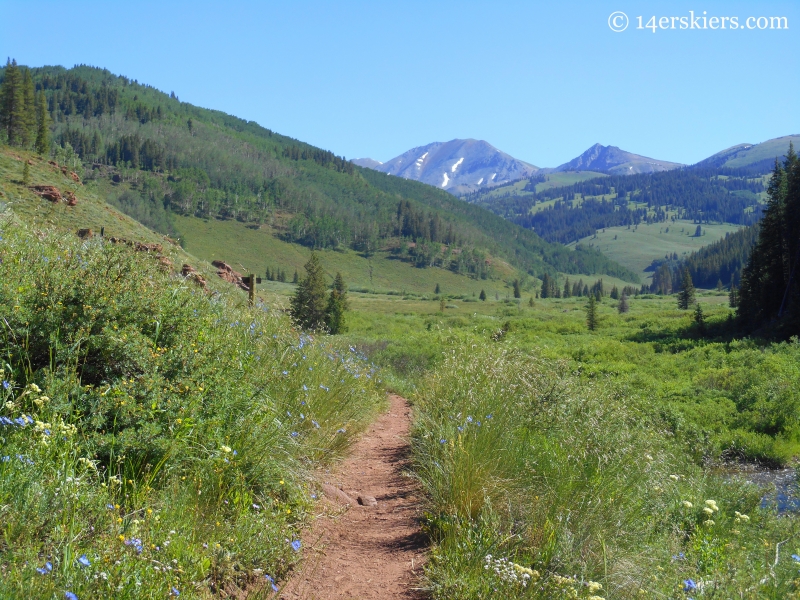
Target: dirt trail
[366, 552]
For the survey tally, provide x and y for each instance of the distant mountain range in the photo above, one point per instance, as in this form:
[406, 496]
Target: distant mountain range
[464, 166]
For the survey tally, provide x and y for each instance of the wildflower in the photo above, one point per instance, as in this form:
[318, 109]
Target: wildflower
[296, 545]
[687, 504]
[708, 511]
[674, 477]
[315, 424]
[689, 585]
[460, 428]
[489, 416]
[469, 419]
[6, 385]
[708, 523]
[175, 592]
[593, 586]
[648, 457]
[34, 388]
[225, 449]
[272, 583]
[70, 596]
[740, 517]
[442, 441]
[796, 558]
[294, 434]
[83, 560]
[286, 372]
[305, 389]
[342, 430]
[712, 505]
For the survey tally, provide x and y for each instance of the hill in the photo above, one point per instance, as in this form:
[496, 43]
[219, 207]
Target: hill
[614, 161]
[458, 166]
[755, 158]
[154, 155]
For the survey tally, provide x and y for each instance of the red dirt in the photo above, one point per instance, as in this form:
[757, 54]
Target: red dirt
[366, 552]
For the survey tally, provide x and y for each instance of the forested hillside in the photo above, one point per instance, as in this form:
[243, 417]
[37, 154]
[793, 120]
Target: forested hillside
[578, 210]
[175, 158]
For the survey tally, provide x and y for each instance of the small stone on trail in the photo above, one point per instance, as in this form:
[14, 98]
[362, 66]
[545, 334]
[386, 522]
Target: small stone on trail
[367, 501]
[334, 494]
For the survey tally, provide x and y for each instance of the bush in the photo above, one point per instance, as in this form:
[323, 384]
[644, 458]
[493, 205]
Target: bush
[164, 434]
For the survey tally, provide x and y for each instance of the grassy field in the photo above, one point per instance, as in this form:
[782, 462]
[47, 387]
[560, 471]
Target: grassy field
[560, 462]
[636, 248]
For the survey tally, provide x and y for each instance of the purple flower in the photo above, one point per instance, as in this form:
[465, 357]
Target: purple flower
[84, 561]
[689, 585]
[48, 566]
[296, 545]
[294, 434]
[796, 558]
[443, 441]
[175, 592]
[271, 582]
[6, 385]
[70, 596]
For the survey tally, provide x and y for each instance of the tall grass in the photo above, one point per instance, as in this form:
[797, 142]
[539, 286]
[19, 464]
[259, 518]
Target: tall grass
[544, 485]
[156, 439]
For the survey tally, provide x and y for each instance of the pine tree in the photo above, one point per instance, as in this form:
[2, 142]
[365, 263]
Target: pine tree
[622, 305]
[733, 296]
[42, 145]
[614, 293]
[337, 305]
[11, 104]
[517, 291]
[483, 296]
[546, 286]
[686, 293]
[567, 289]
[26, 173]
[308, 306]
[591, 313]
[28, 127]
[437, 290]
[295, 279]
[699, 318]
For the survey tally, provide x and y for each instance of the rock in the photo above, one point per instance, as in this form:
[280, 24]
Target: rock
[71, 199]
[190, 272]
[336, 494]
[75, 177]
[85, 233]
[228, 274]
[48, 192]
[367, 500]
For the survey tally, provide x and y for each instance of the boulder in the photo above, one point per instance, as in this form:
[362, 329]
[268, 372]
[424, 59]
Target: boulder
[48, 192]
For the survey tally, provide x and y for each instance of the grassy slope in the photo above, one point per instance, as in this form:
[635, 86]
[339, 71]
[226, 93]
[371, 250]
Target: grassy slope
[254, 250]
[637, 249]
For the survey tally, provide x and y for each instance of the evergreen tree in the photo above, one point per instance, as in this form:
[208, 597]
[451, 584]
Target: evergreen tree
[42, 145]
[28, 127]
[530, 302]
[26, 173]
[591, 313]
[699, 317]
[517, 291]
[567, 289]
[12, 104]
[295, 279]
[308, 306]
[686, 293]
[622, 305]
[614, 293]
[337, 305]
[483, 296]
[437, 290]
[733, 296]
[769, 285]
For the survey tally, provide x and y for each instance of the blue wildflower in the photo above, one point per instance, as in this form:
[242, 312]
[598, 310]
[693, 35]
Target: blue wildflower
[294, 434]
[272, 583]
[796, 558]
[460, 428]
[5, 458]
[286, 372]
[305, 389]
[70, 596]
[110, 506]
[175, 592]
[340, 430]
[6, 385]
[84, 561]
[296, 545]
[443, 441]
[315, 424]
[469, 419]
[489, 416]
[689, 585]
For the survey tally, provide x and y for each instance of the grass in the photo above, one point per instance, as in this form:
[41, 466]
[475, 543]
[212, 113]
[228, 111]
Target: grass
[637, 248]
[155, 437]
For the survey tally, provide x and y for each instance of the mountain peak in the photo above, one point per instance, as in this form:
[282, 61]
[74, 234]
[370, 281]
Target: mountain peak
[615, 161]
[458, 166]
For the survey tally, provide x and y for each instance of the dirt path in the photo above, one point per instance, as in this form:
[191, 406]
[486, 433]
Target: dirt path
[366, 552]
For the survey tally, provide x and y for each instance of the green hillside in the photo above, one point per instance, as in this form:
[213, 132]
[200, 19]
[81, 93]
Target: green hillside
[155, 156]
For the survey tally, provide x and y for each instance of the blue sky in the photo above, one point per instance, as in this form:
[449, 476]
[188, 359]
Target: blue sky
[539, 80]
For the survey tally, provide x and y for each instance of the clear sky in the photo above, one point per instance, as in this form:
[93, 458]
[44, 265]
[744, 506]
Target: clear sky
[540, 80]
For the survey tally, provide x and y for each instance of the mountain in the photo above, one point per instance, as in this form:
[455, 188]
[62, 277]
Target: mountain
[367, 163]
[457, 166]
[614, 161]
[758, 158]
[177, 166]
